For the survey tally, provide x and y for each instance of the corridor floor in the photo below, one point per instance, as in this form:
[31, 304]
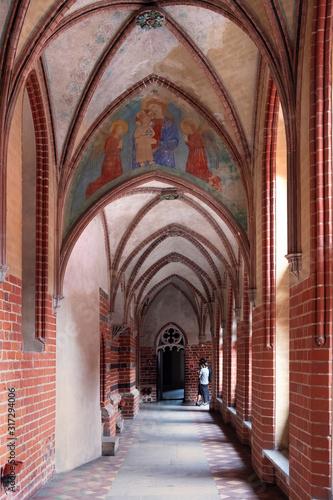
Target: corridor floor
[171, 450]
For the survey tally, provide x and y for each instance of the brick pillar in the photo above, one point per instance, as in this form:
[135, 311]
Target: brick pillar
[127, 374]
[227, 359]
[214, 386]
[263, 331]
[109, 404]
[310, 448]
[217, 353]
[243, 370]
[148, 371]
[28, 388]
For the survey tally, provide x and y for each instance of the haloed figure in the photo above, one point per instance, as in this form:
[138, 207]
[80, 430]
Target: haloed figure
[112, 166]
[144, 138]
[197, 160]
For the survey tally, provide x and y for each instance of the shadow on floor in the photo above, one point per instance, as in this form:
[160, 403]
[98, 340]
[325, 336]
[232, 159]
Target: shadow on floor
[229, 461]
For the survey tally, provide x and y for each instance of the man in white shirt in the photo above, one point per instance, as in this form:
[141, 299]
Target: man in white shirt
[203, 383]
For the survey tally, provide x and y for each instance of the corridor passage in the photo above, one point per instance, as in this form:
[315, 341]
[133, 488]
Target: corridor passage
[170, 451]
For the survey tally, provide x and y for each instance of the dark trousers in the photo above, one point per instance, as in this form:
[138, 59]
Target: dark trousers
[204, 392]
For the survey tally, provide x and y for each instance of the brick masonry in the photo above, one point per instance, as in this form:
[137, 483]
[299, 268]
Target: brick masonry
[193, 353]
[32, 375]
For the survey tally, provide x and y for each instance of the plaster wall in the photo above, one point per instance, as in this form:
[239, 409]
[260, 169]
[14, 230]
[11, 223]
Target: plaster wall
[14, 193]
[282, 294]
[29, 230]
[305, 156]
[171, 306]
[35, 12]
[78, 417]
[257, 181]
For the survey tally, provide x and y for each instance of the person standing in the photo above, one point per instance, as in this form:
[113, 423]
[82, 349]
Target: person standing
[203, 382]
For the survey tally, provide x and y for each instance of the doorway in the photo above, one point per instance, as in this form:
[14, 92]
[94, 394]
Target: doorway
[173, 374]
[171, 365]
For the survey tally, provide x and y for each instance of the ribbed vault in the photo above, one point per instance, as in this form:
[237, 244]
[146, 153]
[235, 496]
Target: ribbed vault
[154, 125]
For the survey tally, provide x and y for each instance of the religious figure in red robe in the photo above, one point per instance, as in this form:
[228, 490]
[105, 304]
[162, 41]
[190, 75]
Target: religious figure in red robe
[197, 160]
[112, 165]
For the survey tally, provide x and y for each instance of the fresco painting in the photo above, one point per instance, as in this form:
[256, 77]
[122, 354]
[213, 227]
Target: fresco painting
[153, 132]
[165, 130]
[83, 43]
[79, 4]
[151, 48]
[206, 29]
[4, 10]
[210, 32]
[112, 165]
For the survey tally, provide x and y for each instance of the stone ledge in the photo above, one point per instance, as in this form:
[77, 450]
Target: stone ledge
[110, 445]
[119, 425]
[248, 424]
[278, 460]
[232, 410]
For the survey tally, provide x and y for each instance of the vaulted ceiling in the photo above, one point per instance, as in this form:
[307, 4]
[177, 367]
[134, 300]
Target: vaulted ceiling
[183, 217]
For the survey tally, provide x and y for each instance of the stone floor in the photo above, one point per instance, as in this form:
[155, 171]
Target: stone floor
[171, 450]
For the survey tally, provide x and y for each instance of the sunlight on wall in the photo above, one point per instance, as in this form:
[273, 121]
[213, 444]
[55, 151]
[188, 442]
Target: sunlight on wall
[78, 416]
[29, 229]
[282, 294]
[220, 361]
[14, 193]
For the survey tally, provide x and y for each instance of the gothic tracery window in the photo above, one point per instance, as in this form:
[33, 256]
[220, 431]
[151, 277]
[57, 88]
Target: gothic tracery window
[171, 338]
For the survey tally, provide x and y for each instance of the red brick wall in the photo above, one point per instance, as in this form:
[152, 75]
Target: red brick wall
[127, 362]
[263, 401]
[118, 370]
[243, 370]
[227, 391]
[263, 329]
[109, 376]
[148, 370]
[310, 447]
[33, 377]
[217, 352]
[193, 353]
[127, 374]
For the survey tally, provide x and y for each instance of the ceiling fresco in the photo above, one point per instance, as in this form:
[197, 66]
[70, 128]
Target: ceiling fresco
[289, 10]
[83, 44]
[213, 34]
[37, 9]
[139, 53]
[154, 119]
[157, 130]
[144, 53]
[4, 10]
[79, 4]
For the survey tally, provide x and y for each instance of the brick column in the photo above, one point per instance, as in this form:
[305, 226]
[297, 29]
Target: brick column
[127, 374]
[243, 370]
[263, 331]
[29, 377]
[311, 300]
[227, 359]
[109, 412]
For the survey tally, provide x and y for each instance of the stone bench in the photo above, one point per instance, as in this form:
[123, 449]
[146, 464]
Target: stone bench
[110, 445]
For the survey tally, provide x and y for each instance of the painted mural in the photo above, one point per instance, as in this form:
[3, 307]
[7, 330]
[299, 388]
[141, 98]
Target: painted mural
[79, 4]
[83, 43]
[4, 11]
[157, 131]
